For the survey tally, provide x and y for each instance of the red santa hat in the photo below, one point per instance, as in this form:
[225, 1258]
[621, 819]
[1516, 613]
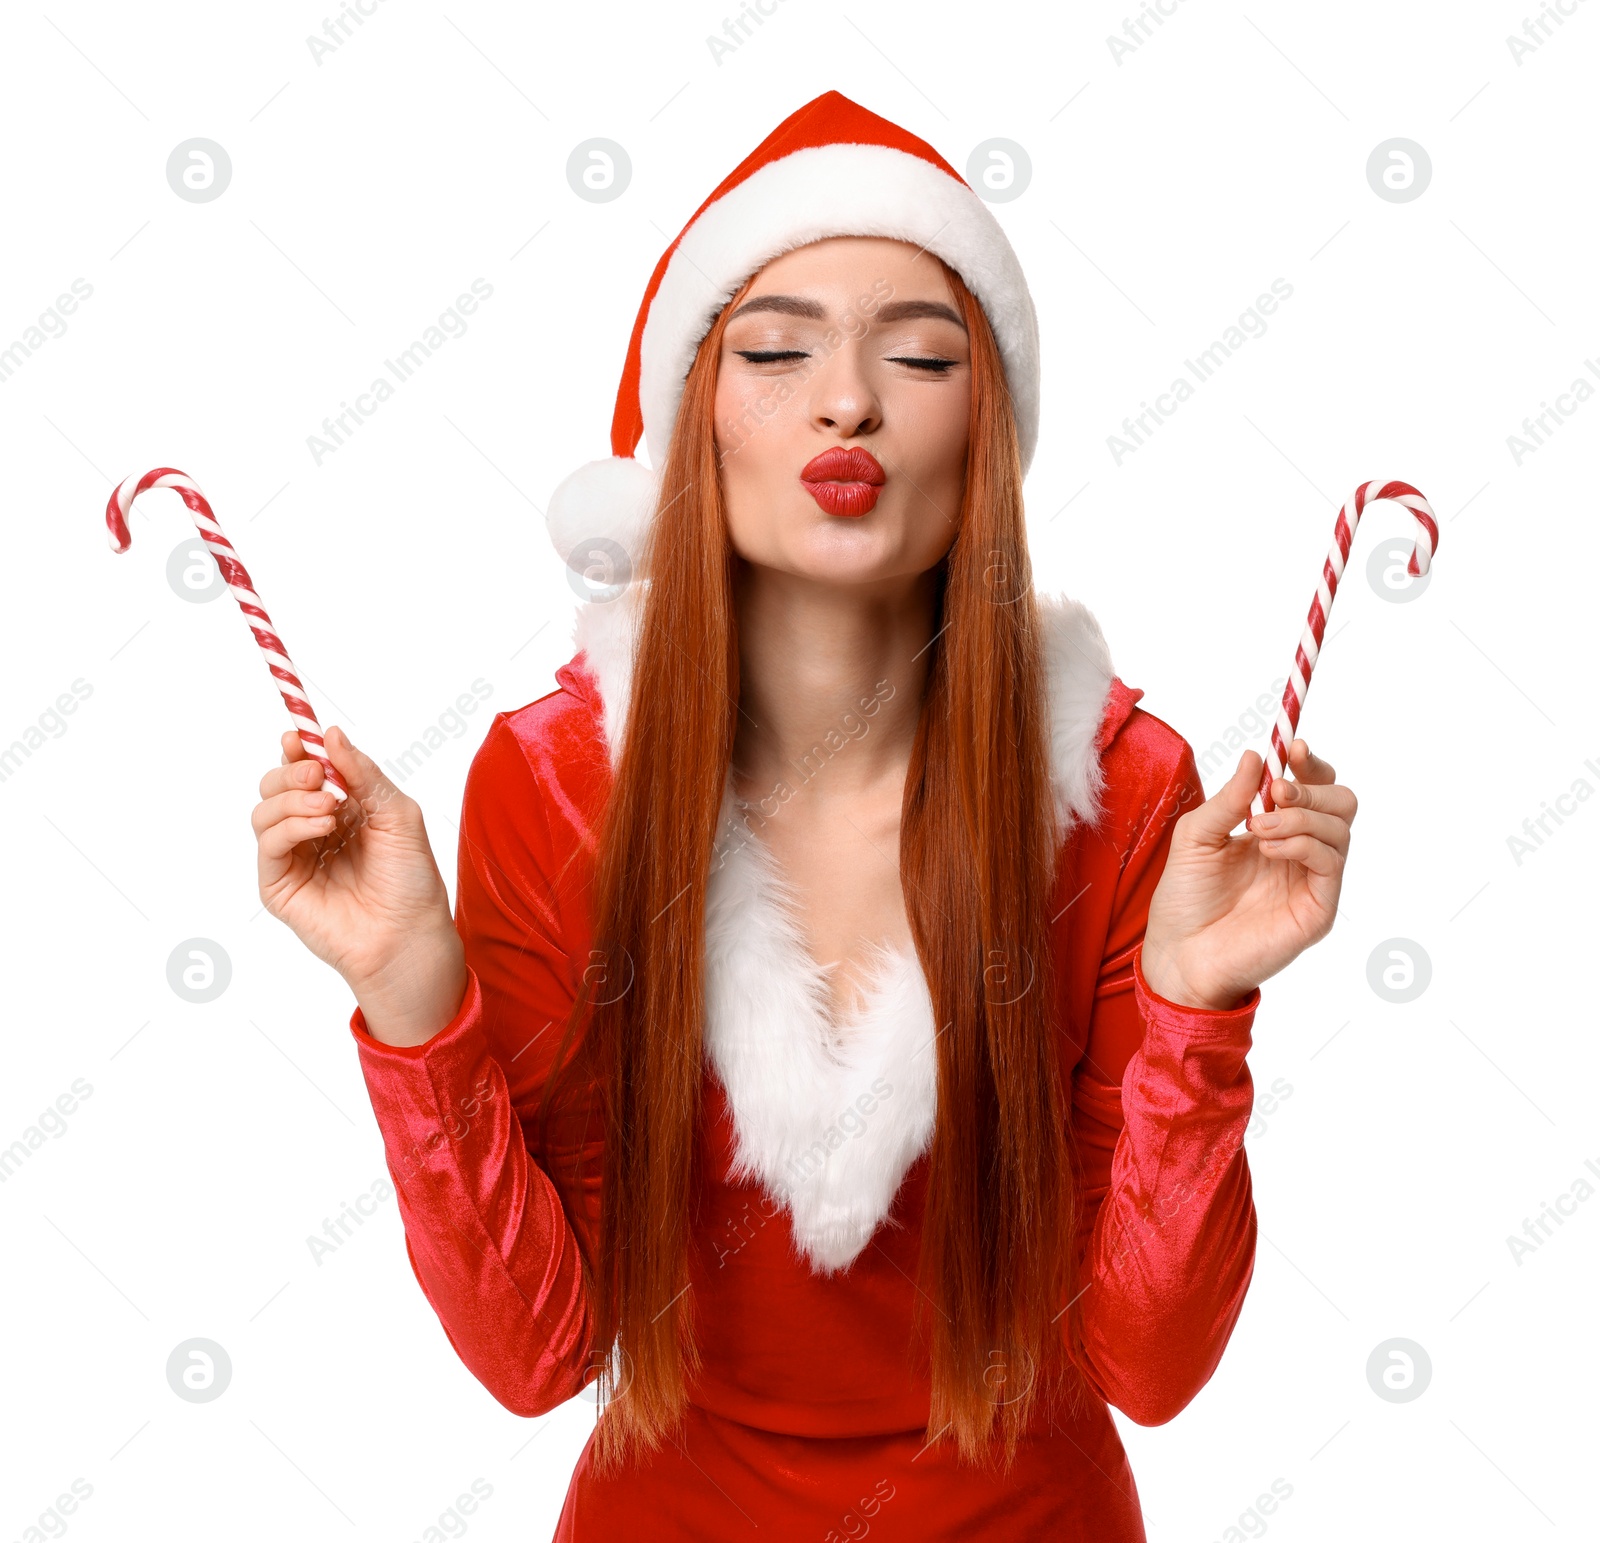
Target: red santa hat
[830, 169]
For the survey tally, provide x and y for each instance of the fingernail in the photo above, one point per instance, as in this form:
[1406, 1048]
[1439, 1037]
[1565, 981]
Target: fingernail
[1266, 822]
[1289, 795]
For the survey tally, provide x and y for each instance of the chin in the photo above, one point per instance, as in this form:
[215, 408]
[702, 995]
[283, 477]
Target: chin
[804, 540]
[852, 557]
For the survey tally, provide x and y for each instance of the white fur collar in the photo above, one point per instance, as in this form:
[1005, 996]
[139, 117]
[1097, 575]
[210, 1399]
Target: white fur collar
[827, 1117]
[830, 1117]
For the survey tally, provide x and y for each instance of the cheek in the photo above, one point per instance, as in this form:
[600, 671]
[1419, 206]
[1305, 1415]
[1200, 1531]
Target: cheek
[936, 435]
[757, 460]
[726, 413]
[746, 408]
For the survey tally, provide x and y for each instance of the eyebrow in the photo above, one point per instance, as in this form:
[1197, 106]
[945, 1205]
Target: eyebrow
[895, 310]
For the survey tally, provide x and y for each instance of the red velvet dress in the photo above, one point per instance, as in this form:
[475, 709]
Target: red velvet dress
[808, 1418]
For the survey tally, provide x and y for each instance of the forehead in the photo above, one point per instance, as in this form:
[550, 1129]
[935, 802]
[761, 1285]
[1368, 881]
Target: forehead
[850, 266]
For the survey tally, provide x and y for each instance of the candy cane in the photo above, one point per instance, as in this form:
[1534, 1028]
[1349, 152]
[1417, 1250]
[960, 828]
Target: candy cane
[243, 590]
[1344, 530]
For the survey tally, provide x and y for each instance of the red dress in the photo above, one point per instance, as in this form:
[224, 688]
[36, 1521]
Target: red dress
[808, 1419]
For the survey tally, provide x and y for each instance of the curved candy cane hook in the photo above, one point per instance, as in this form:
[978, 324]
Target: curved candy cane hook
[1305, 658]
[243, 590]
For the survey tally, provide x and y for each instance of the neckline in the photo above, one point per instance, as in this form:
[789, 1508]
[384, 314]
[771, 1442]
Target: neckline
[876, 973]
[828, 1111]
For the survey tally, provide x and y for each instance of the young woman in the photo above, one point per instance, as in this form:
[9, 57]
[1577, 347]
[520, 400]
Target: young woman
[838, 1048]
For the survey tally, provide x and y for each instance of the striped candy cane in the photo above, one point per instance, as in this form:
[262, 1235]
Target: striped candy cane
[1344, 530]
[242, 589]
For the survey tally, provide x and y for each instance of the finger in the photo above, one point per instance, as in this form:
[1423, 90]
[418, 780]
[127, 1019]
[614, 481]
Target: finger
[1283, 823]
[297, 801]
[363, 777]
[305, 773]
[1335, 799]
[1220, 813]
[1308, 767]
[282, 838]
[1316, 855]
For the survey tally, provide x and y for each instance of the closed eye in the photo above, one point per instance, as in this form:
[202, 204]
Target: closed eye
[773, 356]
[936, 366]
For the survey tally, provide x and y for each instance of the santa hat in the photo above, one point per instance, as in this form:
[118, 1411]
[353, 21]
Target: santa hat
[830, 169]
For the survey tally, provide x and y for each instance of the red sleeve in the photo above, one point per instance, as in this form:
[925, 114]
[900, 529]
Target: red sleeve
[1161, 1099]
[485, 1232]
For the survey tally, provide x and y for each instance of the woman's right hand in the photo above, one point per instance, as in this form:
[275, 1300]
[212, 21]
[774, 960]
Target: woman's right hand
[358, 884]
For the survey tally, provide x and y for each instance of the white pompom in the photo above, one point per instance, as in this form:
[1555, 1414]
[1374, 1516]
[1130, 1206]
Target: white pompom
[603, 510]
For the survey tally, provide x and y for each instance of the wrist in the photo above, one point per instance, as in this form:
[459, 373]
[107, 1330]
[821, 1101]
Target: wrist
[1166, 976]
[410, 1000]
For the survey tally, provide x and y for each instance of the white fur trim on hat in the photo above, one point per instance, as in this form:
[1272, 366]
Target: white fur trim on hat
[809, 195]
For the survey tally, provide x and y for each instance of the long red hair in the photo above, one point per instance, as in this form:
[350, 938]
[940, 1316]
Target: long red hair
[978, 848]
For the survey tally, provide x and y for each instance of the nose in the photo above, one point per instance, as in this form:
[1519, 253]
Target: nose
[842, 398]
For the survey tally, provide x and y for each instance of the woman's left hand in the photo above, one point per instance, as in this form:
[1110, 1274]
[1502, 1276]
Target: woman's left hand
[1231, 910]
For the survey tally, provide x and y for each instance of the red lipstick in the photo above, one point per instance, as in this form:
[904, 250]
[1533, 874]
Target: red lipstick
[843, 480]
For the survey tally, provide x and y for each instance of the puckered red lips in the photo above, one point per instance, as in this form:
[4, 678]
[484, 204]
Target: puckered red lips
[844, 480]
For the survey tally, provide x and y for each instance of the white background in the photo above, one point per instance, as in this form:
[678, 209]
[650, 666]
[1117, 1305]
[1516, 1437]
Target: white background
[1168, 189]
